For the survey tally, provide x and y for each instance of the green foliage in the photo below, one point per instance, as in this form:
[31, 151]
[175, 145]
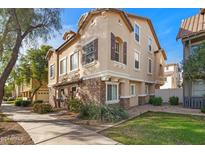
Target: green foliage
[74, 105]
[19, 98]
[174, 100]
[194, 67]
[203, 110]
[10, 102]
[38, 102]
[103, 113]
[42, 108]
[156, 101]
[22, 103]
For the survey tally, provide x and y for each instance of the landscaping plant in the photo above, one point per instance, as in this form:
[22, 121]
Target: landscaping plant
[23, 103]
[203, 110]
[42, 108]
[174, 100]
[102, 113]
[156, 101]
[74, 105]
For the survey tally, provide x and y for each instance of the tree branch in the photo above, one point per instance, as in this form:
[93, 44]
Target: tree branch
[31, 28]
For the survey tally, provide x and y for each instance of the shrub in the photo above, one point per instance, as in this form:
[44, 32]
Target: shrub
[203, 110]
[23, 103]
[38, 102]
[74, 105]
[151, 100]
[10, 102]
[157, 101]
[174, 100]
[103, 113]
[42, 108]
[10, 99]
[17, 103]
[19, 98]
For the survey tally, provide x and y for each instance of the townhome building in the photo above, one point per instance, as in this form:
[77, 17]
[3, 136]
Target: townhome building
[114, 58]
[25, 91]
[173, 75]
[192, 34]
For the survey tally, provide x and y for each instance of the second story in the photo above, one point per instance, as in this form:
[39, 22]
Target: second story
[192, 33]
[108, 42]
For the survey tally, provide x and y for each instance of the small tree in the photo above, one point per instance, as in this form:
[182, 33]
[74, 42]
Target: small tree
[33, 66]
[194, 67]
[18, 25]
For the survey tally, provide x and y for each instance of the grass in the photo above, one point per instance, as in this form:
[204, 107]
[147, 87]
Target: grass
[158, 128]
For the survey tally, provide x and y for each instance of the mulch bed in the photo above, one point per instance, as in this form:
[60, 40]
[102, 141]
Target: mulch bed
[12, 133]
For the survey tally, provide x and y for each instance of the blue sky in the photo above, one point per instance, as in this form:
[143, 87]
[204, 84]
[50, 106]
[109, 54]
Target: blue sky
[166, 23]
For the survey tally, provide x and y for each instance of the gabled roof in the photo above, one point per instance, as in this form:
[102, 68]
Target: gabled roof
[192, 25]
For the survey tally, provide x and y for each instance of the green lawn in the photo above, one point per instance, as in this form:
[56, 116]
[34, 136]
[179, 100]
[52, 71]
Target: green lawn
[160, 128]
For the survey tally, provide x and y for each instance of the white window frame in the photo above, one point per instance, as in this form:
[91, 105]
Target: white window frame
[149, 38]
[137, 69]
[112, 101]
[64, 58]
[150, 73]
[76, 52]
[134, 89]
[52, 77]
[139, 32]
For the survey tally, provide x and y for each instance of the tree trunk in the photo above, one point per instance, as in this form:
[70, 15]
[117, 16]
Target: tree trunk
[9, 67]
[34, 92]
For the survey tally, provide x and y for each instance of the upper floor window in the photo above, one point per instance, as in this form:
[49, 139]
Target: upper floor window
[150, 66]
[74, 61]
[89, 52]
[117, 51]
[137, 60]
[137, 32]
[63, 66]
[52, 71]
[149, 44]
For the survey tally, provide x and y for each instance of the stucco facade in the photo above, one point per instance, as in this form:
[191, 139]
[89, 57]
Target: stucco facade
[109, 75]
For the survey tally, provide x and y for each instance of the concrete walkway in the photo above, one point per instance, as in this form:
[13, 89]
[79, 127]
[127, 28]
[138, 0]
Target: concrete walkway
[45, 129]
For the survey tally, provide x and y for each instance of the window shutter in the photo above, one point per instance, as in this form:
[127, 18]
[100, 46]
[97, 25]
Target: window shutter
[125, 53]
[112, 46]
[96, 49]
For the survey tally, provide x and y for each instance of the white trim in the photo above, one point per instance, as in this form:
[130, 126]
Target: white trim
[139, 32]
[134, 89]
[150, 73]
[112, 101]
[90, 64]
[136, 51]
[115, 74]
[64, 58]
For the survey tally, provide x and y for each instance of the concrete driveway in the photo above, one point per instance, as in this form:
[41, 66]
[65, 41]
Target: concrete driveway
[45, 129]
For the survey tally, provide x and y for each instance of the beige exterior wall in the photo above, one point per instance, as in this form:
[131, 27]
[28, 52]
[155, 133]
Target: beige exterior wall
[101, 26]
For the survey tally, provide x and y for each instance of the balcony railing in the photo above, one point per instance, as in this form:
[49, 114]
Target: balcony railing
[194, 102]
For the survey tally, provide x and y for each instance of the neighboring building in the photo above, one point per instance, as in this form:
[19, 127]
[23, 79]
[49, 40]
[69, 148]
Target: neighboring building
[192, 33]
[113, 58]
[172, 75]
[25, 91]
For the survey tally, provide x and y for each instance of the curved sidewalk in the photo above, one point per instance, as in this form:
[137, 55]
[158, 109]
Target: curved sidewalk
[45, 129]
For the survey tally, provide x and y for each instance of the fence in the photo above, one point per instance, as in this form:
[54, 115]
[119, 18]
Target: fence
[166, 93]
[194, 102]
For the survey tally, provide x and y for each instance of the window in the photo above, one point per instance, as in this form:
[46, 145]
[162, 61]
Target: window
[137, 60]
[137, 32]
[112, 92]
[150, 66]
[146, 89]
[89, 52]
[52, 71]
[74, 89]
[74, 61]
[132, 89]
[150, 44]
[117, 51]
[193, 49]
[63, 66]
